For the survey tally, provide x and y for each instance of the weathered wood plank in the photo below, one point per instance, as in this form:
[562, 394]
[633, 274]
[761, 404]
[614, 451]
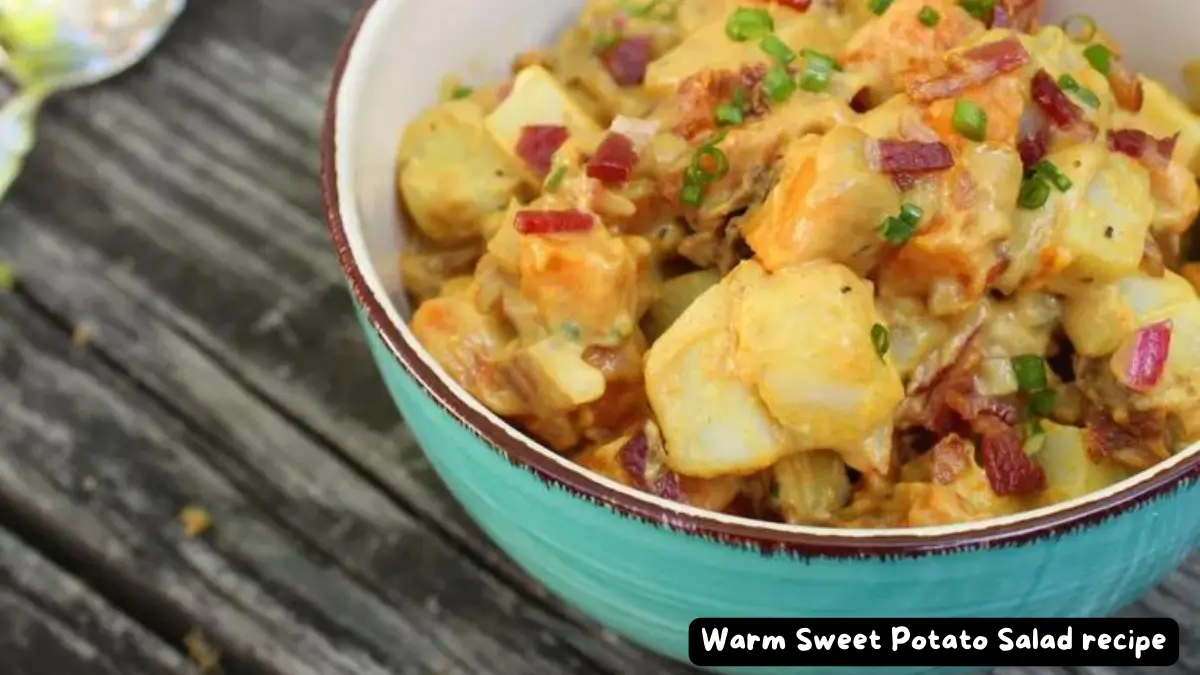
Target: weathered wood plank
[50, 622]
[308, 569]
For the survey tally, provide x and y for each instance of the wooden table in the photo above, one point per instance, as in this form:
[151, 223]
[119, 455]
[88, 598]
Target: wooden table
[180, 341]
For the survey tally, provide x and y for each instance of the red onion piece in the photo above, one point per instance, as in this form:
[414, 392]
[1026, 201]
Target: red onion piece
[798, 5]
[1033, 138]
[538, 143]
[614, 160]
[550, 222]
[627, 60]
[1141, 361]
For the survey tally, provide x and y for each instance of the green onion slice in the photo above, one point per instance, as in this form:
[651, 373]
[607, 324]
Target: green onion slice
[778, 50]
[969, 120]
[1034, 193]
[1030, 370]
[555, 180]
[748, 24]
[929, 17]
[1079, 27]
[881, 340]
[878, 7]
[778, 84]
[1100, 57]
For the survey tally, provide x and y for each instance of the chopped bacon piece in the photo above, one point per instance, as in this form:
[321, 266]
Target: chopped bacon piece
[538, 143]
[1033, 139]
[1058, 107]
[550, 222]
[1155, 153]
[614, 160]
[634, 454]
[1126, 86]
[971, 68]
[668, 487]
[1009, 470]
[913, 157]
[627, 60]
[1141, 361]
[1106, 437]
[949, 458]
[699, 95]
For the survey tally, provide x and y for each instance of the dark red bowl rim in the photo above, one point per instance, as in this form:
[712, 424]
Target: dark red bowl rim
[743, 534]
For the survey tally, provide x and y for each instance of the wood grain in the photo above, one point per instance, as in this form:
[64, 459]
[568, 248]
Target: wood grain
[50, 622]
[174, 212]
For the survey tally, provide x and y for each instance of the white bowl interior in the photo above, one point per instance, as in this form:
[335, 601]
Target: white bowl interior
[405, 47]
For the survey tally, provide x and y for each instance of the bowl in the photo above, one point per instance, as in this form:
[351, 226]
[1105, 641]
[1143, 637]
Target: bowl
[645, 567]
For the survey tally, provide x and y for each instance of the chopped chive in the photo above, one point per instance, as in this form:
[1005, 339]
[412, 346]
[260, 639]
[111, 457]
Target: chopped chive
[1049, 172]
[778, 84]
[556, 178]
[980, 9]
[719, 160]
[1100, 57]
[778, 50]
[929, 16]
[881, 340]
[692, 194]
[896, 230]
[1079, 27]
[818, 68]
[605, 42]
[911, 213]
[879, 6]
[1031, 372]
[461, 92]
[748, 24]
[969, 120]
[634, 10]
[1069, 84]
[729, 114]
[1035, 428]
[1034, 193]
[1042, 403]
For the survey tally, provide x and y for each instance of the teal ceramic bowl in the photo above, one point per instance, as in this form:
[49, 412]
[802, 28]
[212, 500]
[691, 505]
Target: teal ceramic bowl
[642, 566]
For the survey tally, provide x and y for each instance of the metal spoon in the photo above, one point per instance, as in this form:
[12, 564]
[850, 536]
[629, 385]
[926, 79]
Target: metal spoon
[50, 46]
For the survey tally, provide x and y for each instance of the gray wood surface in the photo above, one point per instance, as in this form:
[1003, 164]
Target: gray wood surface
[180, 336]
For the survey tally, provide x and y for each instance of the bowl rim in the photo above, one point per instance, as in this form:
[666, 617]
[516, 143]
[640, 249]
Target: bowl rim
[735, 531]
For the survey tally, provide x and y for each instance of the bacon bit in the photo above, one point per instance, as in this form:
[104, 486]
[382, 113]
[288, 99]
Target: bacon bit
[1154, 153]
[627, 60]
[1033, 139]
[1141, 361]
[538, 143]
[861, 102]
[913, 157]
[551, 222]
[973, 407]
[698, 96]
[1058, 107]
[1105, 437]
[633, 456]
[614, 160]
[668, 487]
[1009, 470]
[971, 68]
[949, 458]
[1126, 86]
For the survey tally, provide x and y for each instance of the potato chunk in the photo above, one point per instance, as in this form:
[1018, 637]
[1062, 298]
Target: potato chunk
[765, 365]
[536, 99]
[804, 340]
[451, 174]
[827, 205]
[1099, 318]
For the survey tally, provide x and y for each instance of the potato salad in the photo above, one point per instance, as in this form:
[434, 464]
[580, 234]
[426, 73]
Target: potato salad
[839, 263]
